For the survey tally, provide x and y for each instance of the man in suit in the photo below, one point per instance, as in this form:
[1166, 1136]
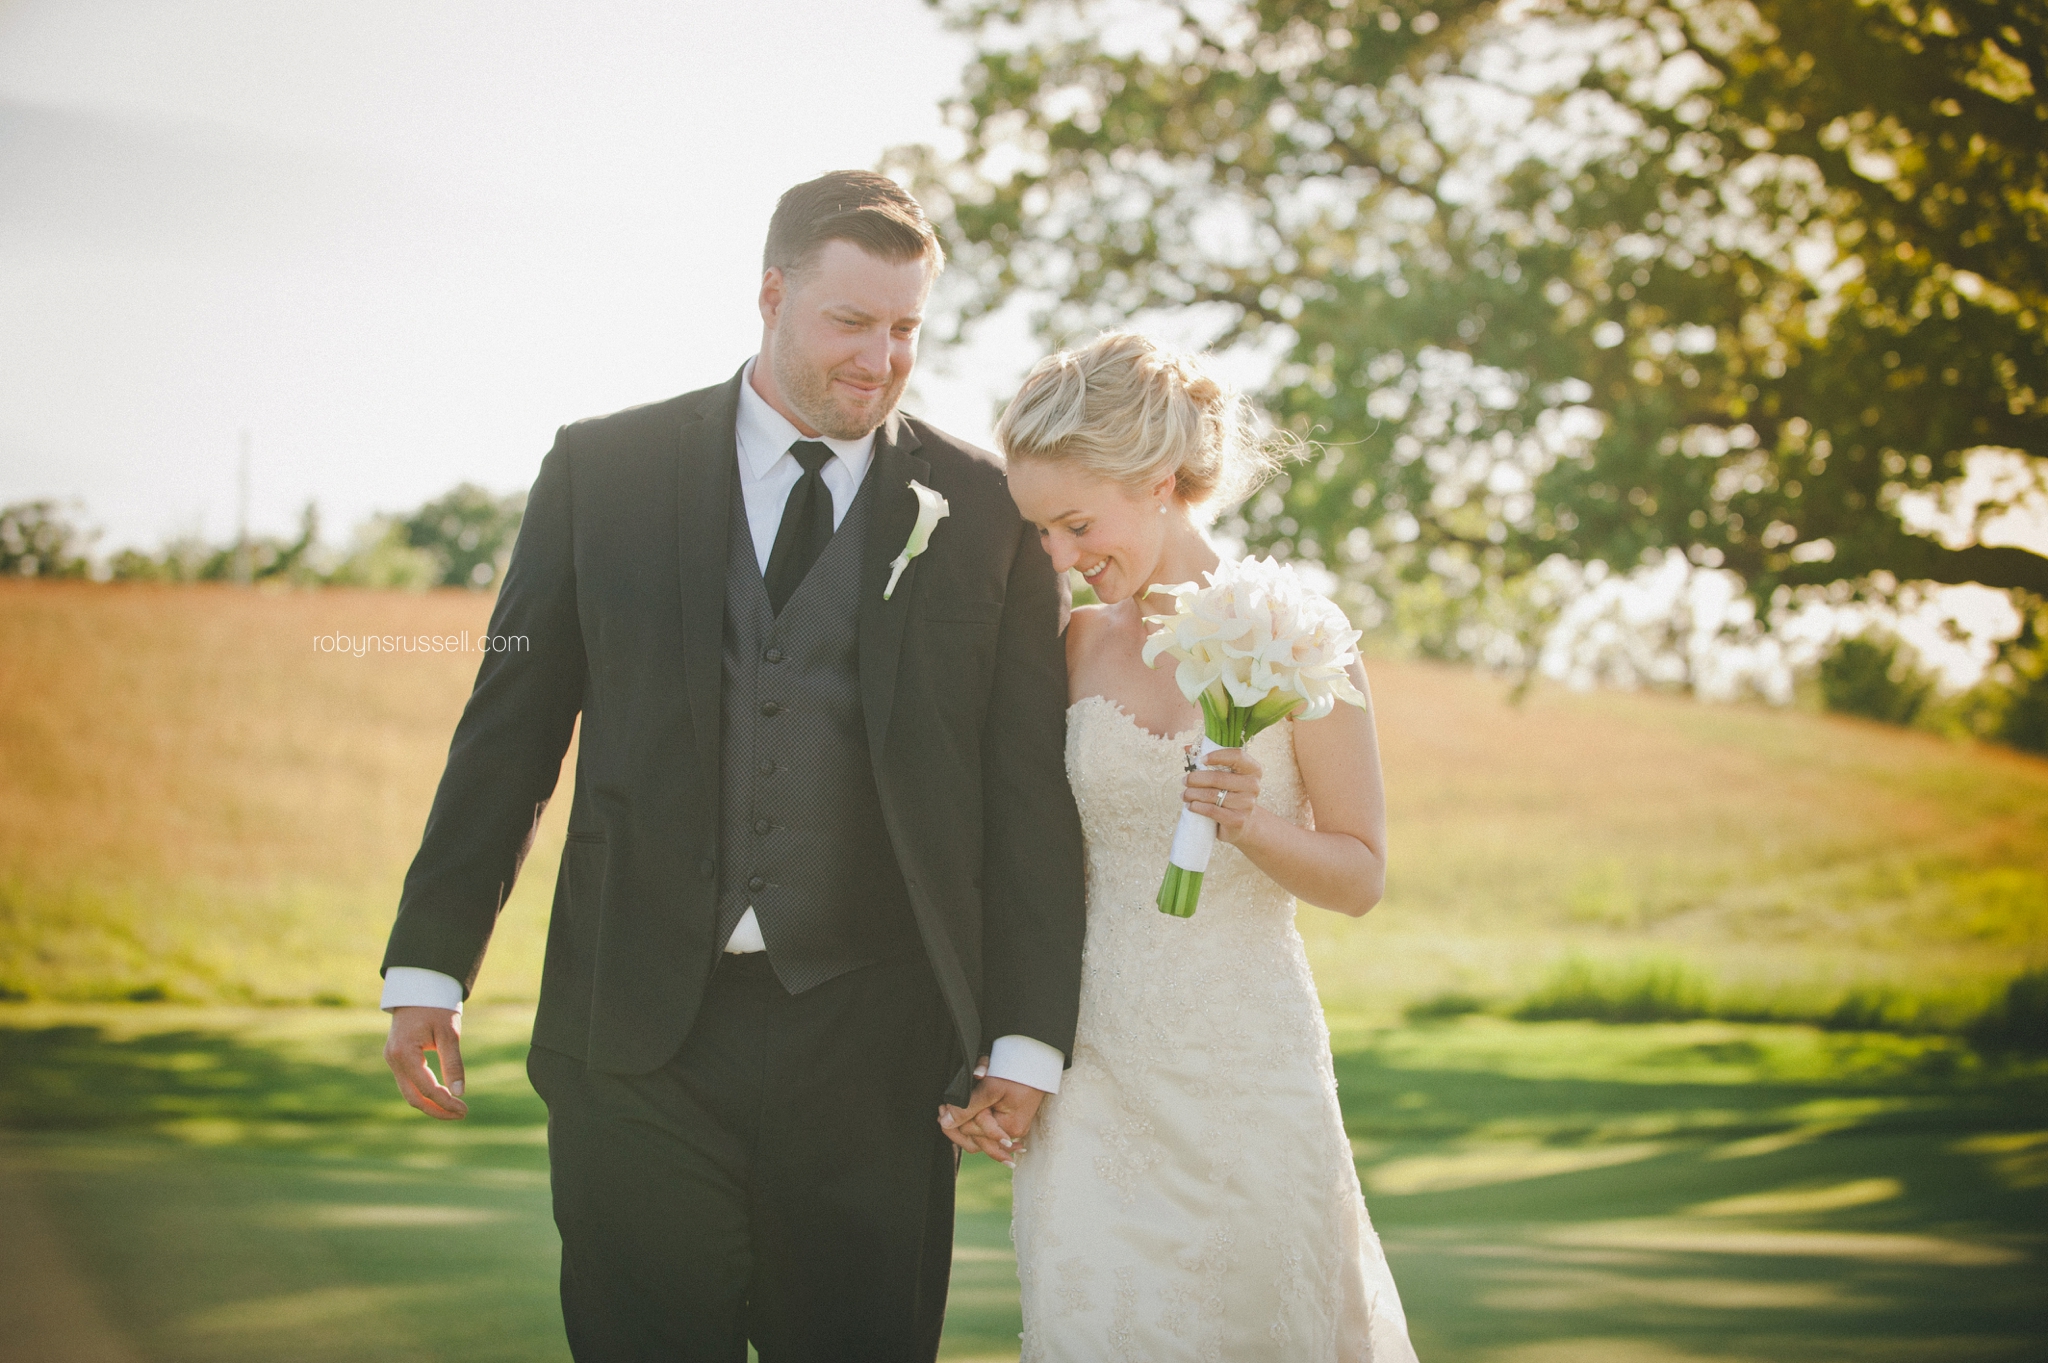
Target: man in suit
[822, 858]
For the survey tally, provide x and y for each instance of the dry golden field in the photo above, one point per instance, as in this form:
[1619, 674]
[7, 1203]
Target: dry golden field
[197, 803]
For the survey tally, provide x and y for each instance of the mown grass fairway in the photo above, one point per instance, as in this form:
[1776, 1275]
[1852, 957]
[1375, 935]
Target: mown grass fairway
[198, 807]
[242, 1185]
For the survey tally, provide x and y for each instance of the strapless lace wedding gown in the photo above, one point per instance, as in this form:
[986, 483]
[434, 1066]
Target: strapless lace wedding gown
[1189, 1193]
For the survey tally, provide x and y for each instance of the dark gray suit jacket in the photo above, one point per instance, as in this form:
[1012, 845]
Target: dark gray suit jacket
[617, 583]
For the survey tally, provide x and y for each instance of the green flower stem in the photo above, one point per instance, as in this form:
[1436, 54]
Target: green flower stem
[1227, 725]
[1180, 891]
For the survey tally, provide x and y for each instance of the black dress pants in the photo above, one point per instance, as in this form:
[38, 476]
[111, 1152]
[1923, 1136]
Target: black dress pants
[782, 1179]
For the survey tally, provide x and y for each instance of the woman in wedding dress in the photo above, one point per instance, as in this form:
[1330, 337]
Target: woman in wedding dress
[1189, 1193]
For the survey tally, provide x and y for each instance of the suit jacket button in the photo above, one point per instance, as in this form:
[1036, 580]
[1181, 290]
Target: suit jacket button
[756, 884]
[767, 768]
[773, 655]
[770, 708]
[762, 826]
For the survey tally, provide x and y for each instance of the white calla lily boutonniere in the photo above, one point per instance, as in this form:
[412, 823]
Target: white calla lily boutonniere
[931, 509]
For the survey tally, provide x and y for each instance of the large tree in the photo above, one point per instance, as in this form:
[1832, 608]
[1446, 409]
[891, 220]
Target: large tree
[1596, 278]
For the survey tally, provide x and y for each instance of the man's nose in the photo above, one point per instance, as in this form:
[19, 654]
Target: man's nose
[877, 355]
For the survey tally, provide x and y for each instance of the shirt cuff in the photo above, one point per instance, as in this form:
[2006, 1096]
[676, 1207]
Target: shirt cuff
[1026, 1060]
[411, 986]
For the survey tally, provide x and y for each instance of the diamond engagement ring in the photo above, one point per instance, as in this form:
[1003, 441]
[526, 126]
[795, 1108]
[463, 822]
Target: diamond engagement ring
[1221, 796]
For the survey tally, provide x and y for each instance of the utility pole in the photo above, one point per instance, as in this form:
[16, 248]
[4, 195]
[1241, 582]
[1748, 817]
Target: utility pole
[242, 573]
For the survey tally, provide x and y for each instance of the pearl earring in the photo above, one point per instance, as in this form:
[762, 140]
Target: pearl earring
[1162, 508]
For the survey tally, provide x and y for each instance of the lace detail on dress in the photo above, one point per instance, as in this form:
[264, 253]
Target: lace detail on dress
[1191, 1187]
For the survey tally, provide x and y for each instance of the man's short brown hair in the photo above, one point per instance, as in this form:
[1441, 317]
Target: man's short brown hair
[872, 211]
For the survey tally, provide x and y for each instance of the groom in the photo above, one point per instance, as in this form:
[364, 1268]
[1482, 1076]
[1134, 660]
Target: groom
[822, 857]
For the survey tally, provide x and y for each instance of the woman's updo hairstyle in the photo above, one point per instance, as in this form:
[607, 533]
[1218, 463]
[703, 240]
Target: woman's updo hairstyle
[1131, 411]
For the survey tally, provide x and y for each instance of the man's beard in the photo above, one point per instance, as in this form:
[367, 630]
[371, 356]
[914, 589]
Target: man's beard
[809, 393]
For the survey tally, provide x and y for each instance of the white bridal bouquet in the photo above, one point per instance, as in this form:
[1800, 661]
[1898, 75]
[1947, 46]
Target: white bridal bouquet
[1255, 646]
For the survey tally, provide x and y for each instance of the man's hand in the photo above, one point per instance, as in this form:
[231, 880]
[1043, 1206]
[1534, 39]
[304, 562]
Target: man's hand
[995, 1120]
[414, 1032]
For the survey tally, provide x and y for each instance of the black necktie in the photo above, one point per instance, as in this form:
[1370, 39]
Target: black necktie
[806, 525]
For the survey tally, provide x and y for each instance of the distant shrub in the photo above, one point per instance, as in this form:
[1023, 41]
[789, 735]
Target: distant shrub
[469, 531]
[1657, 991]
[1874, 1008]
[264, 558]
[38, 540]
[1444, 1007]
[2024, 724]
[1872, 679]
[2018, 1021]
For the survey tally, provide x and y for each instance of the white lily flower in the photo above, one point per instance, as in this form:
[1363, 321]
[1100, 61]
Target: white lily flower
[931, 509]
[1256, 630]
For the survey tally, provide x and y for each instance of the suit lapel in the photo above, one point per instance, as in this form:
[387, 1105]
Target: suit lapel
[708, 458]
[882, 622]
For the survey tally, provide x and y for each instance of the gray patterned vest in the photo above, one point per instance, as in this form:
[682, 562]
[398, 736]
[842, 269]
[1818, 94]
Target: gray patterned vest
[801, 837]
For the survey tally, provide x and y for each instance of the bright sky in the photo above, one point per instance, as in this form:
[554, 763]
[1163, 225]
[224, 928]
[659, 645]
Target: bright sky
[400, 243]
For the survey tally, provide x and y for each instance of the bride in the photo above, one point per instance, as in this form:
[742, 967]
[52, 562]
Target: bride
[1189, 1193]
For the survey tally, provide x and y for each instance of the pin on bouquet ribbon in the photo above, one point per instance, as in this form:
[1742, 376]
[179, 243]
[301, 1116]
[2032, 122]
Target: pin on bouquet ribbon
[931, 509]
[1254, 647]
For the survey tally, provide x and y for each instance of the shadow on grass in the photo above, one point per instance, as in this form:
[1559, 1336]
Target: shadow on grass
[241, 1194]
[1703, 1191]
[1552, 1191]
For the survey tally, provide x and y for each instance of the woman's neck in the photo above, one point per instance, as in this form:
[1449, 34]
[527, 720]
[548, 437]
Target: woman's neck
[1184, 557]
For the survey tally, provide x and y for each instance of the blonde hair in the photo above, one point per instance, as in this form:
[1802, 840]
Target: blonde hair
[1129, 410]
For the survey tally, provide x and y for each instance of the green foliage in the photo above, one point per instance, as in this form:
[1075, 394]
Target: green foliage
[38, 540]
[2021, 681]
[1653, 991]
[461, 539]
[1726, 279]
[2018, 1021]
[1658, 991]
[469, 531]
[384, 556]
[1872, 679]
[1444, 1007]
[265, 558]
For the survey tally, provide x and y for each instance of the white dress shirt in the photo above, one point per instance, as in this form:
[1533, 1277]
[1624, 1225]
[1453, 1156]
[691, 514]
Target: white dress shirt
[768, 472]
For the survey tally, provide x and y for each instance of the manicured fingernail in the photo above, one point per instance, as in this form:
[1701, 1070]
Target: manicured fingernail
[456, 1088]
[945, 1119]
[1007, 1142]
[981, 1071]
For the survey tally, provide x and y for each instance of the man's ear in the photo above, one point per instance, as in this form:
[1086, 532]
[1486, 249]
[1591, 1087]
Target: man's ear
[774, 289]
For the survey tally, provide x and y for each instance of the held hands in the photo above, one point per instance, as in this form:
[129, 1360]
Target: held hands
[1233, 776]
[414, 1032]
[995, 1119]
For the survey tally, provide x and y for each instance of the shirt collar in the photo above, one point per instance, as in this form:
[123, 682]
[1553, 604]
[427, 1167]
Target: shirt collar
[765, 434]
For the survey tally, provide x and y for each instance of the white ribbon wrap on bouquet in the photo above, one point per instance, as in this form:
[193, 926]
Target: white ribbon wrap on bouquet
[1194, 837]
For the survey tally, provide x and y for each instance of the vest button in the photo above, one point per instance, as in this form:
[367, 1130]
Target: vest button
[770, 708]
[762, 826]
[773, 655]
[767, 768]
[756, 884]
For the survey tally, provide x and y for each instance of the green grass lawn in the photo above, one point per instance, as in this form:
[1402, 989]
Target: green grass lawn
[244, 1184]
